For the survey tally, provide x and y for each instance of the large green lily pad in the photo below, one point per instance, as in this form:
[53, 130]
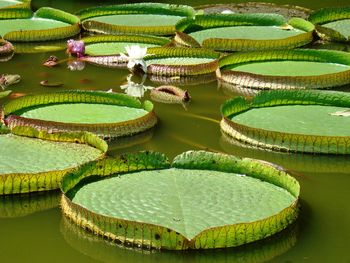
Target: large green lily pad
[291, 68]
[181, 61]
[105, 114]
[99, 249]
[244, 32]
[232, 198]
[287, 69]
[36, 161]
[114, 45]
[291, 121]
[145, 18]
[45, 24]
[288, 11]
[205, 200]
[28, 155]
[84, 113]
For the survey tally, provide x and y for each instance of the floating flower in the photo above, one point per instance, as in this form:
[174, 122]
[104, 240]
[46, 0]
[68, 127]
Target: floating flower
[75, 48]
[135, 89]
[135, 57]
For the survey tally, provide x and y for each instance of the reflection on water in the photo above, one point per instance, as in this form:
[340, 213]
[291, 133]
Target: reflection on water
[135, 89]
[103, 250]
[25, 204]
[302, 163]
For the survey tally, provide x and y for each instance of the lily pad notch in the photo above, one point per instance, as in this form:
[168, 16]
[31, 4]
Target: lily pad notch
[297, 127]
[180, 227]
[117, 114]
[332, 23]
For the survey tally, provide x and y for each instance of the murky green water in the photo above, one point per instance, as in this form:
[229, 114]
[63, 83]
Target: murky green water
[321, 234]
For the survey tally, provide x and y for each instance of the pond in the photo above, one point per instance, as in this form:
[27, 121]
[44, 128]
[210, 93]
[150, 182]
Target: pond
[321, 233]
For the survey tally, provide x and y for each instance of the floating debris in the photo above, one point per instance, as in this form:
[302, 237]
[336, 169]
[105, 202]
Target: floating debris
[5, 47]
[51, 62]
[170, 94]
[46, 83]
[9, 79]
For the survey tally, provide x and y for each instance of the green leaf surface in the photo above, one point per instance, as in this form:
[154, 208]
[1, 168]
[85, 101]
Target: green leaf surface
[138, 20]
[245, 32]
[29, 155]
[290, 68]
[112, 48]
[138, 8]
[220, 199]
[342, 26]
[11, 25]
[84, 113]
[299, 119]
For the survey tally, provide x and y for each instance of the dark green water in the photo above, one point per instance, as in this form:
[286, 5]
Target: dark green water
[33, 230]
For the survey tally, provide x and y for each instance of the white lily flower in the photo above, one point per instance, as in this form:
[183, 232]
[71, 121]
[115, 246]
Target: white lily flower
[135, 89]
[135, 56]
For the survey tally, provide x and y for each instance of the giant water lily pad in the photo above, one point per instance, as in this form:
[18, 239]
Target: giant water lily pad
[204, 200]
[99, 249]
[105, 114]
[181, 61]
[244, 32]
[145, 18]
[45, 24]
[333, 23]
[114, 45]
[36, 161]
[288, 11]
[291, 121]
[287, 69]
